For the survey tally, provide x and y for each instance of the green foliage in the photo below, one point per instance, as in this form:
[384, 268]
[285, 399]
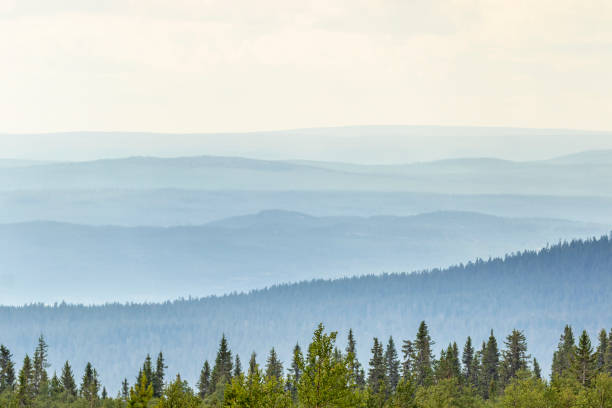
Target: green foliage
[326, 382]
[178, 395]
[141, 393]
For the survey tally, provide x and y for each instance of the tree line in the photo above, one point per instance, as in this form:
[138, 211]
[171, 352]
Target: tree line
[406, 375]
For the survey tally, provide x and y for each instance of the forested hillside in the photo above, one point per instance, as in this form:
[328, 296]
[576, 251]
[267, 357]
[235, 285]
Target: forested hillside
[538, 292]
[49, 262]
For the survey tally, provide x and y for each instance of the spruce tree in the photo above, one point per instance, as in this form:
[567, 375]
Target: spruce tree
[104, 393]
[222, 371]
[25, 385]
[537, 371]
[67, 380]
[515, 356]
[147, 371]
[125, 389]
[490, 367]
[141, 393]
[584, 360]
[376, 373]
[55, 385]
[158, 376]
[602, 348]
[562, 358]
[237, 367]
[7, 370]
[40, 364]
[468, 362]
[295, 372]
[274, 367]
[392, 365]
[90, 385]
[204, 386]
[252, 364]
[423, 357]
[356, 369]
[408, 359]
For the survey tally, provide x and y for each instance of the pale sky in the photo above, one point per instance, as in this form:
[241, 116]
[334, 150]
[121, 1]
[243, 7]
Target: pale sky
[228, 65]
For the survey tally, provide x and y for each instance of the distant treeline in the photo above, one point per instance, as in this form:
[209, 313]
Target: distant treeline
[323, 375]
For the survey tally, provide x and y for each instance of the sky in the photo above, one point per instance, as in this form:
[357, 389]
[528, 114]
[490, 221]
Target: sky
[221, 66]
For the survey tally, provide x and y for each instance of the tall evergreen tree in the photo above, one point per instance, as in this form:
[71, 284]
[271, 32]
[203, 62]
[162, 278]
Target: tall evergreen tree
[537, 371]
[237, 366]
[423, 357]
[90, 385]
[356, 369]
[274, 367]
[392, 365]
[7, 370]
[147, 371]
[468, 362]
[204, 385]
[67, 380]
[602, 348]
[490, 367]
[252, 364]
[55, 385]
[562, 358]
[584, 360]
[295, 372]
[376, 373]
[515, 356]
[222, 370]
[141, 393]
[25, 385]
[125, 389]
[158, 376]
[40, 364]
[408, 359]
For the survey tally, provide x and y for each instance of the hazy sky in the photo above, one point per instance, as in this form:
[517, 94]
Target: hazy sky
[207, 65]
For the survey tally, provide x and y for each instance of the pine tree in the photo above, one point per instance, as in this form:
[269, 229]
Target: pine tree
[104, 393]
[274, 367]
[515, 356]
[423, 357]
[602, 348]
[25, 385]
[537, 371]
[468, 362]
[67, 380]
[490, 367]
[40, 364]
[584, 360]
[408, 362]
[222, 371]
[356, 369]
[237, 367]
[7, 370]
[158, 376]
[204, 386]
[376, 373]
[562, 358]
[392, 365]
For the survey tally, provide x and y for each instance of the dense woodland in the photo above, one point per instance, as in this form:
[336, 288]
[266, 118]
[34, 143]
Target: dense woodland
[498, 373]
[539, 292]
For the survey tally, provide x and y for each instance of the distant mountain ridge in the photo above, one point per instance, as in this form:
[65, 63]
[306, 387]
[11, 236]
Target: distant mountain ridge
[570, 177]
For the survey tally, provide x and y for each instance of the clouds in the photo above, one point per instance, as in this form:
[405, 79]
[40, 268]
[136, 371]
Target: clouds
[242, 65]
